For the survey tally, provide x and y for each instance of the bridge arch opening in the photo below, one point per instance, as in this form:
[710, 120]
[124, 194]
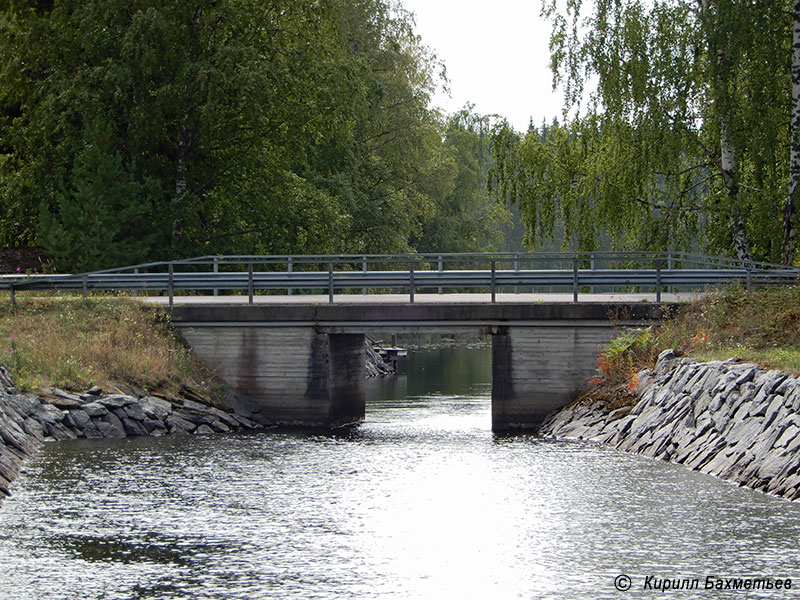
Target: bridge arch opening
[446, 385]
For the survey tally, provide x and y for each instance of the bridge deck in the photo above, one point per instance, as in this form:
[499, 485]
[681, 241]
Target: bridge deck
[426, 316]
[464, 298]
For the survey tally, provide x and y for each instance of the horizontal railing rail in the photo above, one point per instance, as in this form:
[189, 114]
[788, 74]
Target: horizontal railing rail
[492, 272]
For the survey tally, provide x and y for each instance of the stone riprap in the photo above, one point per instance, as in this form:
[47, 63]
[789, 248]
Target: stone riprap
[26, 420]
[735, 421]
[375, 366]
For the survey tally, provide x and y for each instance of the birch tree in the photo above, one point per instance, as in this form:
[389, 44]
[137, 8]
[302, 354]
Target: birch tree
[684, 142]
[789, 227]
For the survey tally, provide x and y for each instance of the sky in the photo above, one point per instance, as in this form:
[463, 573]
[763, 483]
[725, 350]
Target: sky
[496, 54]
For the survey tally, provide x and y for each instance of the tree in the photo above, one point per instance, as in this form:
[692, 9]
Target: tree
[789, 227]
[97, 218]
[225, 125]
[380, 170]
[670, 152]
[466, 219]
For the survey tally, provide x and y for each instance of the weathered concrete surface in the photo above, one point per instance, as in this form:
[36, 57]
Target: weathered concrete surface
[734, 421]
[286, 375]
[424, 316]
[536, 370]
[346, 374]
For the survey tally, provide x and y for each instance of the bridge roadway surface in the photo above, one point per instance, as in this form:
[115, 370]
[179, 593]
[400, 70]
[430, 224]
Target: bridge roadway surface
[430, 298]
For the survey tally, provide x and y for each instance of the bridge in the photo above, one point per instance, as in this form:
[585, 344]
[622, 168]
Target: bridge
[295, 356]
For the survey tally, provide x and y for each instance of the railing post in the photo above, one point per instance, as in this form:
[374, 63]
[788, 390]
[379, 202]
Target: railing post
[441, 269]
[249, 283]
[364, 270]
[574, 279]
[411, 281]
[216, 270]
[591, 266]
[330, 283]
[749, 278]
[289, 270]
[13, 298]
[85, 286]
[658, 280]
[136, 290]
[516, 272]
[670, 267]
[494, 281]
[170, 285]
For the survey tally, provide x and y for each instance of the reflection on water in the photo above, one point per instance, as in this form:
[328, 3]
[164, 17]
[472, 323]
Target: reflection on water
[450, 371]
[421, 501]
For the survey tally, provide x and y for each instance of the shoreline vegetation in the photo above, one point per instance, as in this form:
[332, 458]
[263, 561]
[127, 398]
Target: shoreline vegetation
[760, 327]
[113, 343]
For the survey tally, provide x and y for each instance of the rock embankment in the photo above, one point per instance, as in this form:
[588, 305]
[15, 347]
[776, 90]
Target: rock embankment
[735, 421]
[26, 420]
[375, 365]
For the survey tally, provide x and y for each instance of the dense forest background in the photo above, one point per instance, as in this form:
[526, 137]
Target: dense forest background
[147, 129]
[153, 129]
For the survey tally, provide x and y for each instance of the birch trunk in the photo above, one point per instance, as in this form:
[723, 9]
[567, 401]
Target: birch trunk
[741, 242]
[180, 188]
[739, 237]
[789, 229]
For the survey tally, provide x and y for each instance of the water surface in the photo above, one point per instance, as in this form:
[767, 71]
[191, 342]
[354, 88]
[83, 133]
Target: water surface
[421, 501]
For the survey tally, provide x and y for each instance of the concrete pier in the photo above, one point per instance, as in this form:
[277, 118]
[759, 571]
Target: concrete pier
[287, 375]
[536, 370]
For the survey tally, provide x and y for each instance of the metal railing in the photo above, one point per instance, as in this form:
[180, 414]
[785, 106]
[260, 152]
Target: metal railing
[412, 273]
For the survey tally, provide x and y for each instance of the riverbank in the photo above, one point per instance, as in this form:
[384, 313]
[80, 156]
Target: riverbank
[138, 377]
[27, 420]
[732, 420]
[75, 344]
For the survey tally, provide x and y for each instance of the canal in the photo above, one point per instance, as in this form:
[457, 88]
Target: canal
[420, 501]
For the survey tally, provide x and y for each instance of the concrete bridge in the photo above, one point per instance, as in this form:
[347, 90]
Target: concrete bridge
[303, 365]
[298, 359]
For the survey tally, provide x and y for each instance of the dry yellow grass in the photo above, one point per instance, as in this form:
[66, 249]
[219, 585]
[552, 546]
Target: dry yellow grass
[74, 343]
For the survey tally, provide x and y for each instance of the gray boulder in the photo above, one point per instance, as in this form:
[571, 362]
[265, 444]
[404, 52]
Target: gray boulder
[155, 408]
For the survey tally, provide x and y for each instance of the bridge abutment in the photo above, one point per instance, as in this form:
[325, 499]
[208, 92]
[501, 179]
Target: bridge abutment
[287, 375]
[538, 369]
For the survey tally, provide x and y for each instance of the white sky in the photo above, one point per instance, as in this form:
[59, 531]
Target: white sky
[496, 54]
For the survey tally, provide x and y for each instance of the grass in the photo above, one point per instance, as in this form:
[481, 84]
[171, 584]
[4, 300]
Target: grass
[72, 343]
[762, 327]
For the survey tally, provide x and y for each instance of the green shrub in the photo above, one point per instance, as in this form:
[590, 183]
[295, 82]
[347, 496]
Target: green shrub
[761, 326]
